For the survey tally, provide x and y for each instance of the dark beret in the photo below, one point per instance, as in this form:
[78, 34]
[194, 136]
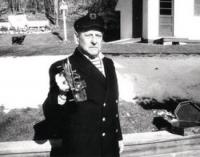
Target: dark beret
[91, 21]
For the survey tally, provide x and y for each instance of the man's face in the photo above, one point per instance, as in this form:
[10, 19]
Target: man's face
[90, 42]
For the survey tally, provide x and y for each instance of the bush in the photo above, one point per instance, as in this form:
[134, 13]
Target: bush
[17, 124]
[4, 29]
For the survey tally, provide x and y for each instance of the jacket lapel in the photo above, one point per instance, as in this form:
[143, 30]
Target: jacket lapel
[111, 80]
[81, 63]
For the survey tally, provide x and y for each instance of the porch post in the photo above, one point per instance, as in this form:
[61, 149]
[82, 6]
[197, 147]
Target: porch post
[126, 18]
[150, 19]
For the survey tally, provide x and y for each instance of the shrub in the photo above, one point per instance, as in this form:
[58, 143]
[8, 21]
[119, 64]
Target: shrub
[4, 29]
[17, 124]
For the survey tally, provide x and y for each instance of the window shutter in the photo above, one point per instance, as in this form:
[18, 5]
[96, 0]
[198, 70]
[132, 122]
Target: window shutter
[197, 7]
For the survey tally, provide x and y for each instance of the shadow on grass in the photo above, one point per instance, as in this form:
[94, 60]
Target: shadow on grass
[165, 113]
[57, 35]
[169, 104]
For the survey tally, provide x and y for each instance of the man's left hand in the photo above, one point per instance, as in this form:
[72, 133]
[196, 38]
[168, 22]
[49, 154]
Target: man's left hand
[121, 146]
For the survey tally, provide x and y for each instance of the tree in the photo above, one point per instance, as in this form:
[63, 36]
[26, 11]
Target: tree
[24, 5]
[76, 7]
[102, 5]
[15, 5]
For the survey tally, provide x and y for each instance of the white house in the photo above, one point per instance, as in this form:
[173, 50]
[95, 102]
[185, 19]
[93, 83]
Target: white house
[154, 19]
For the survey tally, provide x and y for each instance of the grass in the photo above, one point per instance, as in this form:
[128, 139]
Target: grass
[59, 48]
[52, 44]
[17, 124]
[135, 119]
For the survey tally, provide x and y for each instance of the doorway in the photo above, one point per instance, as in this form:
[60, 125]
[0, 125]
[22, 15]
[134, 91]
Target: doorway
[137, 18]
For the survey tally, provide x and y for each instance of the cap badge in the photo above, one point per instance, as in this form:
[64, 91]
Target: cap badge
[93, 16]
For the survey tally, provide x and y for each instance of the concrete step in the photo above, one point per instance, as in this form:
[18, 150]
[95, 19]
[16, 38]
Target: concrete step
[149, 144]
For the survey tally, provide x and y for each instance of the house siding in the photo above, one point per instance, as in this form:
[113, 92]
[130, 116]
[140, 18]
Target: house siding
[186, 23]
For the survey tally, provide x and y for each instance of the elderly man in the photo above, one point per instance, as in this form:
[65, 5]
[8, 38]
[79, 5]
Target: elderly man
[87, 121]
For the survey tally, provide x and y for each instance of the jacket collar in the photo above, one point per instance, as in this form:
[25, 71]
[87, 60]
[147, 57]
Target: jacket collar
[81, 63]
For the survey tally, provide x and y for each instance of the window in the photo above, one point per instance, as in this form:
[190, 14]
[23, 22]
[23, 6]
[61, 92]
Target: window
[197, 7]
[165, 7]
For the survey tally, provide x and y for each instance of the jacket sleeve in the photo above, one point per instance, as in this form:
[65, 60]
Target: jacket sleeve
[51, 108]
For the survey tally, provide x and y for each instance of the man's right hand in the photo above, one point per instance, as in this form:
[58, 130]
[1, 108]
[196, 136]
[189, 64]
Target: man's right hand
[62, 82]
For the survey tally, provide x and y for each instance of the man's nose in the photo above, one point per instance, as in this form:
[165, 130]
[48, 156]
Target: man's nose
[94, 41]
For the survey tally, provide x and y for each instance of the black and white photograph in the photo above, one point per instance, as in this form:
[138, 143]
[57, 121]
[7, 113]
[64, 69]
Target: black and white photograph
[99, 78]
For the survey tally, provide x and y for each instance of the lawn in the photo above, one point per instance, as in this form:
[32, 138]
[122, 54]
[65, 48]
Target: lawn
[50, 45]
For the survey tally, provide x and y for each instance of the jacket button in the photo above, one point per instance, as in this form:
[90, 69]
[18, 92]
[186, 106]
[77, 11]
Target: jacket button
[117, 101]
[104, 105]
[103, 134]
[103, 119]
[116, 130]
[117, 115]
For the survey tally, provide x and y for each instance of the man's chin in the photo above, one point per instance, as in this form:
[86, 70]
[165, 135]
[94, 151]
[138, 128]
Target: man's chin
[93, 53]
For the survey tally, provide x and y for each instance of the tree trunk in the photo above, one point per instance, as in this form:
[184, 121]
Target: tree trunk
[10, 5]
[56, 11]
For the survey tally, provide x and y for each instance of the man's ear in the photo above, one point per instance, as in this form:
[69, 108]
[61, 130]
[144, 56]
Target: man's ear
[76, 38]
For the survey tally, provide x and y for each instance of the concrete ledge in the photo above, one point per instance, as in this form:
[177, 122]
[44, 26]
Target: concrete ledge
[175, 41]
[149, 137]
[150, 144]
[163, 144]
[23, 148]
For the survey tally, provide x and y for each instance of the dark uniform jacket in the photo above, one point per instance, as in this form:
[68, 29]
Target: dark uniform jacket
[90, 128]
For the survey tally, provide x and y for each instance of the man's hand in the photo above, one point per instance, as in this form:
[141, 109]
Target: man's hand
[121, 146]
[62, 82]
[63, 86]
